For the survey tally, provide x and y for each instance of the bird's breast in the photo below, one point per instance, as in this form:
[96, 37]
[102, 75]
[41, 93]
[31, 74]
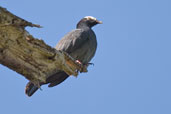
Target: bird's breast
[87, 50]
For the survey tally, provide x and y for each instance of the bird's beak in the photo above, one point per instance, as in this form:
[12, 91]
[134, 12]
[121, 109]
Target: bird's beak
[99, 22]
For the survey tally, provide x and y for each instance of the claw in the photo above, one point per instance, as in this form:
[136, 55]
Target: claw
[90, 64]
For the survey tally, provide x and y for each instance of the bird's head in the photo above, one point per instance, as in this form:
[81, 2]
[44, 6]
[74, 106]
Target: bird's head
[88, 21]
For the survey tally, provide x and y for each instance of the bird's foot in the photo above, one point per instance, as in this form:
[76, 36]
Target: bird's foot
[77, 61]
[80, 65]
[83, 68]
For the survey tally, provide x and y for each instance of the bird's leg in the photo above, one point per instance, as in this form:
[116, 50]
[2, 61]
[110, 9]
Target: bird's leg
[83, 67]
[79, 63]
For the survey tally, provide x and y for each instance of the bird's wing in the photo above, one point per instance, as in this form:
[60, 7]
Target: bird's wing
[57, 78]
[72, 41]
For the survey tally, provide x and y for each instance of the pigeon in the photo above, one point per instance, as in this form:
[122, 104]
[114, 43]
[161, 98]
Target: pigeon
[80, 44]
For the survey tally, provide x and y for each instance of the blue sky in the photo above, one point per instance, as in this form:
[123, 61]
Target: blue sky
[132, 71]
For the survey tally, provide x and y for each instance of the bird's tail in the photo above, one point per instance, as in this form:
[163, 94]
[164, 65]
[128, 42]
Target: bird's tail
[53, 80]
[30, 89]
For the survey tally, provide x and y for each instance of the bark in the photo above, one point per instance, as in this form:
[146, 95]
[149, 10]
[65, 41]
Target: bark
[28, 56]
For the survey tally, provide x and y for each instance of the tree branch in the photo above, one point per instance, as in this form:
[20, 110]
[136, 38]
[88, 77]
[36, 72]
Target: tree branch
[28, 56]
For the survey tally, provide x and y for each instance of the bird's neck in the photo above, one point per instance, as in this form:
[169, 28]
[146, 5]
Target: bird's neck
[83, 26]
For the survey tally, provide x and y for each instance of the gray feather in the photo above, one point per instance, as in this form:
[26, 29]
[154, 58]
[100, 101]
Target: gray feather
[80, 44]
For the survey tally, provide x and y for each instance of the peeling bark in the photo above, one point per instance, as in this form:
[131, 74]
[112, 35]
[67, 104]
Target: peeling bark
[28, 56]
